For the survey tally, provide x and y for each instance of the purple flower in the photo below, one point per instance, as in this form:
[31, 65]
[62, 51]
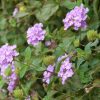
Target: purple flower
[65, 70]
[16, 10]
[35, 34]
[76, 18]
[47, 43]
[47, 74]
[7, 54]
[12, 82]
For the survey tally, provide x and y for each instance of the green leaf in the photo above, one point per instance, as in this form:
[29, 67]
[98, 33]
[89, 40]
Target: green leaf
[49, 95]
[95, 43]
[28, 86]
[35, 4]
[46, 11]
[95, 8]
[69, 4]
[79, 62]
[23, 70]
[2, 23]
[88, 48]
[12, 22]
[65, 46]
[40, 68]
[2, 82]
[80, 53]
[52, 80]
[37, 64]
[38, 49]
[37, 61]
[84, 74]
[8, 71]
[21, 14]
[27, 54]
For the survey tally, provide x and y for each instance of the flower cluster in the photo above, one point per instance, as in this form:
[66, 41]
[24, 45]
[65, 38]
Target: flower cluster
[65, 70]
[47, 74]
[7, 54]
[12, 82]
[35, 34]
[76, 18]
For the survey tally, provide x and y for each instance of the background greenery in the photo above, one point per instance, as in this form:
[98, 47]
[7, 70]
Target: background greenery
[32, 61]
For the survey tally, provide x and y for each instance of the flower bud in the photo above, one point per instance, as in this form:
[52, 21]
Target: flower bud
[76, 43]
[92, 35]
[49, 60]
[22, 8]
[18, 93]
[17, 70]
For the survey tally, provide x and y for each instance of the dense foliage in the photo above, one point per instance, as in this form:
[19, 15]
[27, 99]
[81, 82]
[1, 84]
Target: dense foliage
[57, 54]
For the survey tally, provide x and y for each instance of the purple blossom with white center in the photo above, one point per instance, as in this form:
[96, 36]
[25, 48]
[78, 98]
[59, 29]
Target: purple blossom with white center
[65, 70]
[48, 73]
[35, 34]
[76, 18]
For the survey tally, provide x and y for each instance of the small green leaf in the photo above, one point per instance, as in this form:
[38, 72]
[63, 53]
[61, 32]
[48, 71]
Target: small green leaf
[35, 4]
[79, 62]
[2, 82]
[70, 5]
[49, 95]
[39, 68]
[2, 23]
[21, 14]
[27, 87]
[8, 71]
[95, 43]
[27, 54]
[80, 53]
[37, 61]
[23, 70]
[88, 48]
[12, 22]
